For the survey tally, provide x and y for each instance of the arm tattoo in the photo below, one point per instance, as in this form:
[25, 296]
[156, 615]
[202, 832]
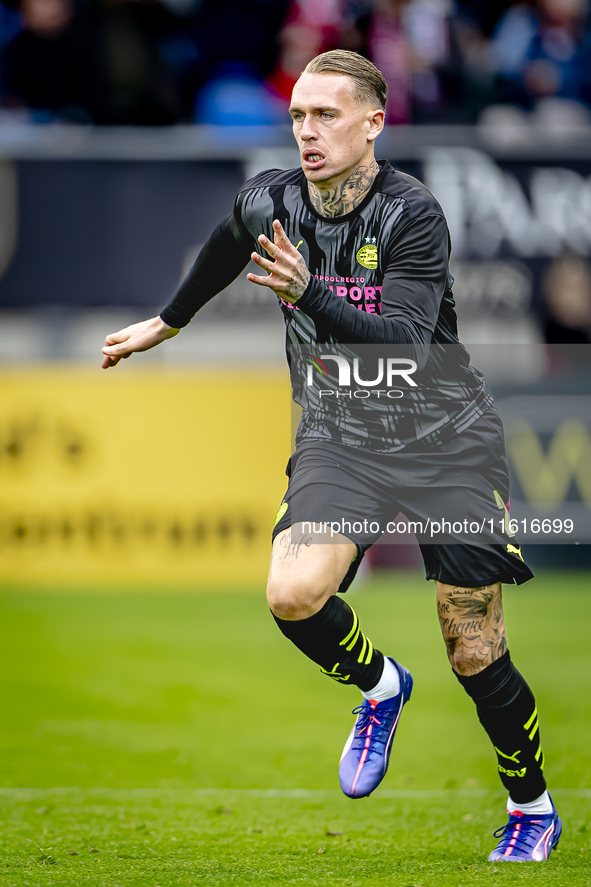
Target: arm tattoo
[346, 196]
[473, 627]
[298, 283]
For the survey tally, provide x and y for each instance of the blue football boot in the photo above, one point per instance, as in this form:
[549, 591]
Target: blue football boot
[366, 754]
[527, 837]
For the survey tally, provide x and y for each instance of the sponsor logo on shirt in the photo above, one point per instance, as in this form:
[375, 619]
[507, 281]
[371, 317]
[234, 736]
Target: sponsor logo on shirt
[365, 298]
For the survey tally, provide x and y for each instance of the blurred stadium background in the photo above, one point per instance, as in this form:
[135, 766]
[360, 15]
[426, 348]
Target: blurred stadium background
[126, 127]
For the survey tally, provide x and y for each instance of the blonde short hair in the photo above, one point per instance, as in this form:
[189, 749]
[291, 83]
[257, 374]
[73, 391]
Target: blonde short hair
[371, 87]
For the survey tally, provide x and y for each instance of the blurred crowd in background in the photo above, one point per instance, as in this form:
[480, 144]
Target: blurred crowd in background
[496, 63]
[159, 62]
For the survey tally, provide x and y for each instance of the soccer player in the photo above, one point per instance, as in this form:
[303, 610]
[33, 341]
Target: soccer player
[357, 254]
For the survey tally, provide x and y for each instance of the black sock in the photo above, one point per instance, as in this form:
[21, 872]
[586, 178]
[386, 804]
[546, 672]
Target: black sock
[333, 639]
[507, 710]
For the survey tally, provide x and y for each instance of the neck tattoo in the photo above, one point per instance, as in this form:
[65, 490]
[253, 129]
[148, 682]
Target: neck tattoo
[344, 197]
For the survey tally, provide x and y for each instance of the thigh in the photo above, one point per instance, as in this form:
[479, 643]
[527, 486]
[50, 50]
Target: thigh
[332, 493]
[329, 517]
[305, 571]
[472, 624]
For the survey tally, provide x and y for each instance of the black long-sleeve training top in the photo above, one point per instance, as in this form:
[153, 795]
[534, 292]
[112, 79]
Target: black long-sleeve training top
[380, 289]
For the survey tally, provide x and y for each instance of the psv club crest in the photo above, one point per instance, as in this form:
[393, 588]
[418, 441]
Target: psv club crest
[367, 255]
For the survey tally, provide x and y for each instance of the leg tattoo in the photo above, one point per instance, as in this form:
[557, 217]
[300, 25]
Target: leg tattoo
[472, 625]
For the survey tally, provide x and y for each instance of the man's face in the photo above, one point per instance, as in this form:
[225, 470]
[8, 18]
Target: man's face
[333, 130]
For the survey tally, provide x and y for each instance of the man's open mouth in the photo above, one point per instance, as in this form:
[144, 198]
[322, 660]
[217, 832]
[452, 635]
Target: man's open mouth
[313, 159]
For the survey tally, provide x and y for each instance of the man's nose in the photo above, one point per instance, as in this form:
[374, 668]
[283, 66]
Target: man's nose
[308, 130]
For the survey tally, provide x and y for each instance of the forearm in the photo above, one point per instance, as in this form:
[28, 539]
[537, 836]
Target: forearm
[348, 324]
[220, 261]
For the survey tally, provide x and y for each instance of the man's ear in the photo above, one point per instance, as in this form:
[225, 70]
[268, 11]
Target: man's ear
[376, 124]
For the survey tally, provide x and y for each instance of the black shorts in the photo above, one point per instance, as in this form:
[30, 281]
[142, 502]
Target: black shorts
[455, 499]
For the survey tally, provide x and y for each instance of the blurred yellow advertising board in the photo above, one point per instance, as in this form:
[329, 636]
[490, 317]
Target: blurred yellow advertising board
[138, 478]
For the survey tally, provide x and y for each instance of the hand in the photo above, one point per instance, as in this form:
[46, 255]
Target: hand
[137, 337]
[288, 274]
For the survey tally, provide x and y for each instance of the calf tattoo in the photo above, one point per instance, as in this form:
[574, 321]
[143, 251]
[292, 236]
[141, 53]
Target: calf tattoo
[473, 627]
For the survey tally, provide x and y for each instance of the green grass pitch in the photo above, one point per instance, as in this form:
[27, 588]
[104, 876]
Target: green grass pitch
[178, 739]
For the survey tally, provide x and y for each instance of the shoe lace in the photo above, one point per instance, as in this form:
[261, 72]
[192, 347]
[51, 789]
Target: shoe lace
[370, 719]
[521, 839]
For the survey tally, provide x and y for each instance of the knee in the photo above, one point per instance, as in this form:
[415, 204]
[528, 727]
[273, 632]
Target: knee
[296, 598]
[465, 661]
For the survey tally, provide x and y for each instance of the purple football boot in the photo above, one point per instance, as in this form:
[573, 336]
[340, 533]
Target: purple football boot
[527, 837]
[366, 754]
